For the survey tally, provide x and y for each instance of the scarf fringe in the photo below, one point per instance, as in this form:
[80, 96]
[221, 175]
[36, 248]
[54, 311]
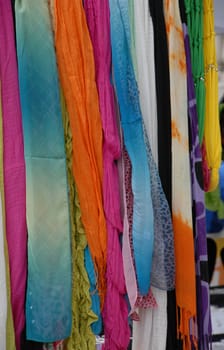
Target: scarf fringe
[188, 336]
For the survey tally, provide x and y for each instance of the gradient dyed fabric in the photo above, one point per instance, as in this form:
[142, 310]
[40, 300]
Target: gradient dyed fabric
[115, 313]
[181, 196]
[77, 74]
[48, 302]
[131, 121]
[14, 170]
[198, 205]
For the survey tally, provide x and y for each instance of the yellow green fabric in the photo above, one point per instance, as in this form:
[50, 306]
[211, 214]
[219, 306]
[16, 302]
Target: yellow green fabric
[214, 203]
[10, 336]
[212, 133]
[82, 337]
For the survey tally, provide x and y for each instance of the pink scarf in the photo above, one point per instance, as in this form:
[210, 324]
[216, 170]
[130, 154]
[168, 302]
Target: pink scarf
[115, 313]
[14, 168]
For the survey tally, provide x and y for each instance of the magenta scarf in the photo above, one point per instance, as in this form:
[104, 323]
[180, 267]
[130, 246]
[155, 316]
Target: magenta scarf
[115, 313]
[14, 168]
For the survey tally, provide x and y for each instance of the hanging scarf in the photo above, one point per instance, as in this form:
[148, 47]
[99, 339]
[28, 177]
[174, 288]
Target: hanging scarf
[212, 135]
[135, 298]
[181, 204]
[81, 337]
[115, 313]
[198, 205]
[3, 257]
[131, 121]
[14, 170]
[97, 325]
[48, 303]
[164, 132]
[195, 26]
[143, 38]
[194, 12]
[77, 74]
[150, 332]
[145, 74]
[134, 132]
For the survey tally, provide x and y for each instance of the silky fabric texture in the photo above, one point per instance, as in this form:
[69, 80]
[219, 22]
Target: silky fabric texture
[198, 204]
[115, 312]
[131, 121]
[74, 50]
[3, 261]
[194, 13]
[143, 37]
[7, 329]
[164, 132]
[163, 96]
[14, 171]
[212, 134]
[48, 302]
[163, 270]
[82, 316]
[181, 201]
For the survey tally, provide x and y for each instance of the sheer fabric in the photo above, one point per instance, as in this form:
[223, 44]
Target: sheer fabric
[150, 331]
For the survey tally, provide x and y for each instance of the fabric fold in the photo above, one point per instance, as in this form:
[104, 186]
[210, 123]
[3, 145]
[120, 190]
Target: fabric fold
[14, 171]
[48, 301]
[181, 201]
[77, 75]
[115, 312]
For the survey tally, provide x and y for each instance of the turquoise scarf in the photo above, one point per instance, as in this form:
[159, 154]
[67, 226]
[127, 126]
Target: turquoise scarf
[48, 303]
[131, 120]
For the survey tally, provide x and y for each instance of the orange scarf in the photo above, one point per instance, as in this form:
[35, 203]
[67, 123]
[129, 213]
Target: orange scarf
[77, 75]
[182, 202]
